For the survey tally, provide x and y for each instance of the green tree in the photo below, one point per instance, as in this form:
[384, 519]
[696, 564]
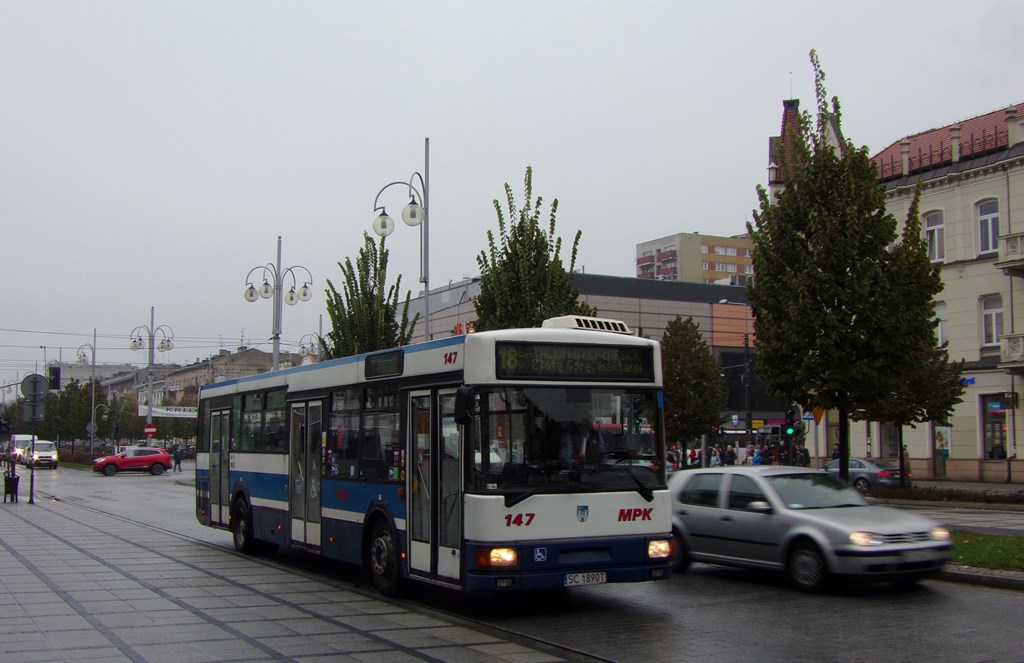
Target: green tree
[929, 385]
[366, 315]
[522, 279]
[832, 327]
[694, 394]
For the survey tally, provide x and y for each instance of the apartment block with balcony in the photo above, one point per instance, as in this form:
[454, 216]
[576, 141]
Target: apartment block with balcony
[972, 217]
[696, 258]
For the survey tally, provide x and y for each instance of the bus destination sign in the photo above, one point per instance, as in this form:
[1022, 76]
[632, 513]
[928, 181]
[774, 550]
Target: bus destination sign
[558, 361]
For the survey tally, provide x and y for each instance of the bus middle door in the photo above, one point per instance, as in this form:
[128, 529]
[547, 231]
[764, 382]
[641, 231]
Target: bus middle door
[435, 487]
[304, 463]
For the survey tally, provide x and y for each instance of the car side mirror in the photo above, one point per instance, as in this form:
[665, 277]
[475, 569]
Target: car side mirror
[760, 506]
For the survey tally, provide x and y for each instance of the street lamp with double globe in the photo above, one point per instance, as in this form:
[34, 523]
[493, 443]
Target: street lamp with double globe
[149, 341]
[92, 385]
[273, 283]
[416, 213]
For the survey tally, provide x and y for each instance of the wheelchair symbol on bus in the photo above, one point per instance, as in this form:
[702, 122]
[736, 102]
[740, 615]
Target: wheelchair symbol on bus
[540, 554]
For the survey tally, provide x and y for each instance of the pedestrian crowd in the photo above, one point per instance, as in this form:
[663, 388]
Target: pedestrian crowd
[752, 454]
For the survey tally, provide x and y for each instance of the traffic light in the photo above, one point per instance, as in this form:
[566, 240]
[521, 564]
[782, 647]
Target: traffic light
[5, 427]
[789, 428]
[55, 377]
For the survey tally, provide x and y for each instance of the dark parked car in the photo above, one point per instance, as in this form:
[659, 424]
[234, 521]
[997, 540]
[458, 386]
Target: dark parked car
[868, 473]
[801, 522]
[138, 459]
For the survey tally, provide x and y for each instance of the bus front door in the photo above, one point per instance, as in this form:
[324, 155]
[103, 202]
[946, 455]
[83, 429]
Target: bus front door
[435, 487]
[220, 466]
[304, 463]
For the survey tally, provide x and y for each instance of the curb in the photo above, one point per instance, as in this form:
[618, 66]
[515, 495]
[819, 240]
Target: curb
[984, 577]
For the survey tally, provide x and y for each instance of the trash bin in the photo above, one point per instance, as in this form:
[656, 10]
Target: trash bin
[11, 486]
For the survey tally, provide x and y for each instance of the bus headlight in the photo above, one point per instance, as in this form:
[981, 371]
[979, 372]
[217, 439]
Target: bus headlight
[659, 549]
[496, 557]
[939, 534]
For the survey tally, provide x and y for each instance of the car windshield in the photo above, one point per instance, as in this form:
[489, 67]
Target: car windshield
[883, 464]
[44, 446]
[814, 491]
[530, 440]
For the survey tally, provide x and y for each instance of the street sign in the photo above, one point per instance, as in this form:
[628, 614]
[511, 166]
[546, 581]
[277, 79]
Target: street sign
[149, 430]
[808, 415]
[34, 386]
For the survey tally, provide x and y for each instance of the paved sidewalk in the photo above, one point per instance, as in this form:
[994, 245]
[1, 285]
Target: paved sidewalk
[76, 586]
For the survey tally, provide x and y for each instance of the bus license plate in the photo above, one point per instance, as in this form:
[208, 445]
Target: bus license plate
[593, 578]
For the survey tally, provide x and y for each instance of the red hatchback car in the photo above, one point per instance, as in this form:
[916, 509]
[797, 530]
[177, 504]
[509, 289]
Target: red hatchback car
[142, 459]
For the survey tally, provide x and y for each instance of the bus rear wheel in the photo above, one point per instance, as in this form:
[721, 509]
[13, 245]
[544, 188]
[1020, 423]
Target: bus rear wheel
[383, 556]
[241, 528]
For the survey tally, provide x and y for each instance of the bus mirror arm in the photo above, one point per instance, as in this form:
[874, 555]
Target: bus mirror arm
[467, 405]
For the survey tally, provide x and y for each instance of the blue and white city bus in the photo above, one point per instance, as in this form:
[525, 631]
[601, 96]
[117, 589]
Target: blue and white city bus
[495, 461]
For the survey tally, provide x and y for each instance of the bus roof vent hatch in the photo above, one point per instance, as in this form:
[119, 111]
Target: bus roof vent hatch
[584, 322]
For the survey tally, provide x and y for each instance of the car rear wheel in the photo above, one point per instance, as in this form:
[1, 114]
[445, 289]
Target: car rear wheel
[157, 468]
[110, 470]
[680, 555]
[807, 568]
[862, 484]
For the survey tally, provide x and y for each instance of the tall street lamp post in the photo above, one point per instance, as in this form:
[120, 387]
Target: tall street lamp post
[416, 213]
[92, 385]
[149, 341]
[746, 369]
[268, 290]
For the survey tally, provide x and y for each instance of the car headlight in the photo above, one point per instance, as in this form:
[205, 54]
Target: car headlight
[938, 534]
[865, 539]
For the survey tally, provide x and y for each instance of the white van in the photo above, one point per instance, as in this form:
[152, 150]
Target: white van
[43, 452]
[16, 450]
[21, 451]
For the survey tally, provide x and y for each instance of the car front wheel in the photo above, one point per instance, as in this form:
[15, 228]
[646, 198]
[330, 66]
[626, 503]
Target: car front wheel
[807, 568]
[680, 555]
[110, 470]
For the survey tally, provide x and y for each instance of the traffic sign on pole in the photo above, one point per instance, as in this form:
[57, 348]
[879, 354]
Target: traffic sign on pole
[149, 430]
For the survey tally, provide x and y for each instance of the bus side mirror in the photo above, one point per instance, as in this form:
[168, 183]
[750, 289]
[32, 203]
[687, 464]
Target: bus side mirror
[466, 405]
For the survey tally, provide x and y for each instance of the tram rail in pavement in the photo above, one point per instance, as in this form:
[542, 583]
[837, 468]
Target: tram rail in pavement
[80, 585]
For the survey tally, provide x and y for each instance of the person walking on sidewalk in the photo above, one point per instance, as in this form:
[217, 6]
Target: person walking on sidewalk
[177, 458]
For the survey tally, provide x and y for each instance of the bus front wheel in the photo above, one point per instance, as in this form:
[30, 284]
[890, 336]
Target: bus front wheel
[241, 528]
[383, 556]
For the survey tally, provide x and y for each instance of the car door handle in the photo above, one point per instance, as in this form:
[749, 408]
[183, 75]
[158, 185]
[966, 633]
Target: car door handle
[727, 518]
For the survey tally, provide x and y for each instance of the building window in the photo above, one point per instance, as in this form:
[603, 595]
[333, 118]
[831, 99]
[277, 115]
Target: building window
[719, 250]
[941, 323]
[703, 248]
[704, 265]
[993, 416]
[730, 267]
[935, 236]
[730, 250]
[748, 269]
[988, 226]
[991, 319]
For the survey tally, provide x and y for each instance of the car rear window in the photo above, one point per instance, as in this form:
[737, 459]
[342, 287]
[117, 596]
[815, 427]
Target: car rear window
[702, 490]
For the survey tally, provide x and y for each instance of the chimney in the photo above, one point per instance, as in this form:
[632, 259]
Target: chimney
[1014, 130]
[905, 155]
[954, 142]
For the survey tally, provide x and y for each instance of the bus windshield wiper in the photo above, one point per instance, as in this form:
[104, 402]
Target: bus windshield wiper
[642, 488]
[512, 500]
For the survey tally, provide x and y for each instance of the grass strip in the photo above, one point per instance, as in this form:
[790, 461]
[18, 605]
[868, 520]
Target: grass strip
[988, 551]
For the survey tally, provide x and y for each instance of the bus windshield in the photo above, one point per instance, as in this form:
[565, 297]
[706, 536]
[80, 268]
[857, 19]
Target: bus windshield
[530, 440]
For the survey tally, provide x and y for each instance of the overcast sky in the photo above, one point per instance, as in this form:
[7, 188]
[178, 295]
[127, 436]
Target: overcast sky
[152, 152]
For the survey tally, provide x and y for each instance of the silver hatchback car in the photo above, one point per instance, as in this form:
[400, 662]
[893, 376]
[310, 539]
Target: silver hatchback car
[802, 522]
